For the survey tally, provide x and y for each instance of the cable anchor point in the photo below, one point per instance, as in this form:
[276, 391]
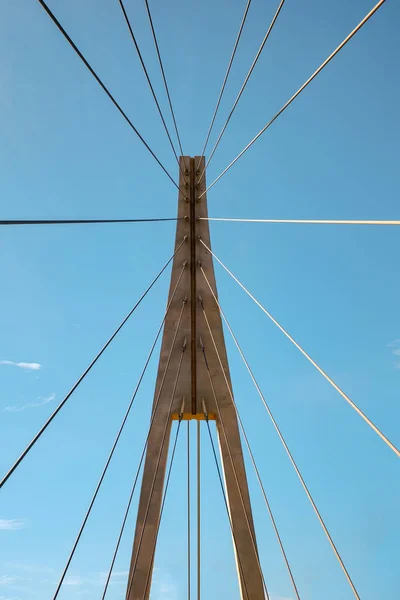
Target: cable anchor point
[182, 409]
[203, 403]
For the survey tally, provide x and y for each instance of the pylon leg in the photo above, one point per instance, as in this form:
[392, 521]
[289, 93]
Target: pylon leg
[141, 567]
[243, 529]
[193, 386]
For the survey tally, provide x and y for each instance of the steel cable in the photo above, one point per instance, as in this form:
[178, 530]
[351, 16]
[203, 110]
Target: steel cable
[228, 385]
[243, 87]
[226, 76]
[298, 473]
[61, 581]
[163, 503]
[133, 569]
[226, 505]
[284, 107]
[303, 221]
[308, 357]
[163, 75]
[144, 450]
[103, 86]
[81, 221]
[76, 384]
[221, 422]
[148, 78]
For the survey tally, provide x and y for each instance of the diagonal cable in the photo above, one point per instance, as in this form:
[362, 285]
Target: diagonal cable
[147, 77]
[221, 422]
[103, 86]
[229, 387]
[163, 439]
[82, 527]
[226, 503]
[278, 10]
[284, 107]
[81, 221]
[298, 473]
[163, 503]
[163, 75]
[246, 10]
[308, 357]
[303, 221]
[154, 410]
[76, 384]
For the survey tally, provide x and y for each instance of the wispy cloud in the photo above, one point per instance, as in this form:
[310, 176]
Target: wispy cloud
[395, 348]
[22, 365]
[42, 400]
[164, 585]
[6, 580]
[11, 524]
[118, 577]
[73, 580]
[28, 568]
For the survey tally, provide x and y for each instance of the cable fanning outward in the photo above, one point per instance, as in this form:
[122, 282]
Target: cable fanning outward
[129, 505]
[243, 87]
[284, 107]
[228, 385]
[164, 435]
[246, 10]
[225, 502]
[303, 221]
[103, 86]
[308, 357]
[76, 384]
[148, 78]
[163, 503]
[163, 75]
[221, 423]
[177, 327]
[61, 581]
[81, 221]
[310, 498]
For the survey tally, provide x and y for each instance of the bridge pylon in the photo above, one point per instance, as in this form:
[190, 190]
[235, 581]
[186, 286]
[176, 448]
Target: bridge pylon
[189, 382]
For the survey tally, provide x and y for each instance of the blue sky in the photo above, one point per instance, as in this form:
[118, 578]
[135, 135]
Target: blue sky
[65, 152]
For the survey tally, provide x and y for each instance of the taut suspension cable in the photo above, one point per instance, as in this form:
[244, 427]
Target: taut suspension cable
[76, 384]
[163, 75]
[298, 473]
[103, 86]
[246, 10]
[133, 570]
[221, 423]
[144, 446]
[308, 357]
[163, 501]
[228, 385]
[61, 581]
[303, 221]
[80, 221]
[278, 10]
[226, 503]
[147, 77]
[284, 107]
